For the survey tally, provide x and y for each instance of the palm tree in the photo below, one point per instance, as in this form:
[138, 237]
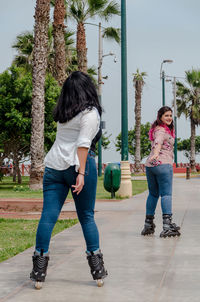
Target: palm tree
[188, 103]
[80, 11]
[138, 82]
[24, 46]
[59, 41]
[39, 70]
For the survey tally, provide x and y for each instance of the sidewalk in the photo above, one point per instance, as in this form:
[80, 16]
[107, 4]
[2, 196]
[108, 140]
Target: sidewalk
[141, 269]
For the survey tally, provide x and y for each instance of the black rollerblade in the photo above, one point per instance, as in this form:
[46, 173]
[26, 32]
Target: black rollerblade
[39, 271]
[149, 226]
[169, 229]
[97, 268]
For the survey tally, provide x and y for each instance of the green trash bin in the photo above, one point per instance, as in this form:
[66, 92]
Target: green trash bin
[112, 178]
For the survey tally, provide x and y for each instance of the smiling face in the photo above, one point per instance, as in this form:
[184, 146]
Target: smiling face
[167, 118]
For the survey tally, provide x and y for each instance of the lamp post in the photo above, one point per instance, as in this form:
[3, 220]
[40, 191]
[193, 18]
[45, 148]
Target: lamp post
[100, 61]
[162, 77]
[173, 80]
[126, 185]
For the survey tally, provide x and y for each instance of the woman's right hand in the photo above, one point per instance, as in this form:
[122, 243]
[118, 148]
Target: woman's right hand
[79, 184]
[154, 156]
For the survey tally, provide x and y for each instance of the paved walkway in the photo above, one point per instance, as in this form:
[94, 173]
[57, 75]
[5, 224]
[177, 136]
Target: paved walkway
[141, 269]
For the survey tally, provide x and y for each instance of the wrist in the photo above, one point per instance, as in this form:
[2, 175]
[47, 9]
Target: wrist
[81, 173]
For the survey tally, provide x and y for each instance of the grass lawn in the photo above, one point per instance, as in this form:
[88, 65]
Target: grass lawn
[16, 235]
[8, 189]
[139, 186]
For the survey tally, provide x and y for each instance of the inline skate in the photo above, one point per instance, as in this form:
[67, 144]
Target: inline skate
[97, 269]
[39, 272]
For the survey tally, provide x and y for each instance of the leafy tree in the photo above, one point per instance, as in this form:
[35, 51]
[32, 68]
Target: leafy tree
[188, 103]
[15, 104]
[138, 82]
[145, 142]
[15, 113]
[104, 141]
[185, 145]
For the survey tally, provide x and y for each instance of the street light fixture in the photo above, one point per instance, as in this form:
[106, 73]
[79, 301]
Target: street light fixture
[162, 77]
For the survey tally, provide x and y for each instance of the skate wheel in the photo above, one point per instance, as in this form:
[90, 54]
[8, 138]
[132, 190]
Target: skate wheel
[100, 282]
[38, 285]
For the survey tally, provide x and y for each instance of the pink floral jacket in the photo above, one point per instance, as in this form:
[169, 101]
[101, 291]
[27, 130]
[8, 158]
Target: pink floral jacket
[166, 140]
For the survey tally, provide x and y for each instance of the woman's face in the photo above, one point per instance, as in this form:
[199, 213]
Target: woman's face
[166, 118]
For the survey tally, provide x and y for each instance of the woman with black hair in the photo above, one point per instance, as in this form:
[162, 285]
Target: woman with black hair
[159, 173]
[70, 164]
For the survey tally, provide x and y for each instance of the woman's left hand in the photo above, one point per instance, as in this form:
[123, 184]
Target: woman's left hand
[79, 184]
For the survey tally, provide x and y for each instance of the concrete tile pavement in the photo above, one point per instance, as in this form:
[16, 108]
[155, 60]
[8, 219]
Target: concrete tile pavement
[142, 269]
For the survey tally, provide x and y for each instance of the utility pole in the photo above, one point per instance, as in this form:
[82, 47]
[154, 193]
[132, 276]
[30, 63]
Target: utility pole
[175, 122]
[99, 96]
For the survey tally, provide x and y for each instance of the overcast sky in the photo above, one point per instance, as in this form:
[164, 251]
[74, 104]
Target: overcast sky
[156, 30]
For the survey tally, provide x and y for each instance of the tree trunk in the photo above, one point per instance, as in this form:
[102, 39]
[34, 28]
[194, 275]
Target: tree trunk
[39, 70]
[14, 167]
[81, 48]
[59, 41]
[14, 173]
[138, 96]
[19, 177]
[192, 151]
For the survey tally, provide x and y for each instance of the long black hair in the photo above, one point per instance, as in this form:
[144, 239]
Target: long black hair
[158, 121]
[78, 93]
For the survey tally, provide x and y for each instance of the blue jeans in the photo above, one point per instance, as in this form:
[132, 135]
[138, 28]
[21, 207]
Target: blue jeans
[159, 180]
[56, 185]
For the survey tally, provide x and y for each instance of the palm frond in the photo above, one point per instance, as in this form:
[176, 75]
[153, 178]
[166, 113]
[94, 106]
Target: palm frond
[22, 61]
[184, 99]
[96, 5]
[112, 33]
[182, 108]
[92, 72]
[139, 76]
[76, 10]
[110, 10]
[69, 41]
[24, 43]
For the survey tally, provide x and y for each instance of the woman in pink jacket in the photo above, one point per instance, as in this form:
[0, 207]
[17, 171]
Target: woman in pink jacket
[159, 173]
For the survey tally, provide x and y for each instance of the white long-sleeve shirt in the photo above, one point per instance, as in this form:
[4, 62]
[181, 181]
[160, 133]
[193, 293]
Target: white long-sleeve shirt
[78, 132]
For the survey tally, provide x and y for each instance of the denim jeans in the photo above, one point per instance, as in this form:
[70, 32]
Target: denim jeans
[56, 185]
[159, 180]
